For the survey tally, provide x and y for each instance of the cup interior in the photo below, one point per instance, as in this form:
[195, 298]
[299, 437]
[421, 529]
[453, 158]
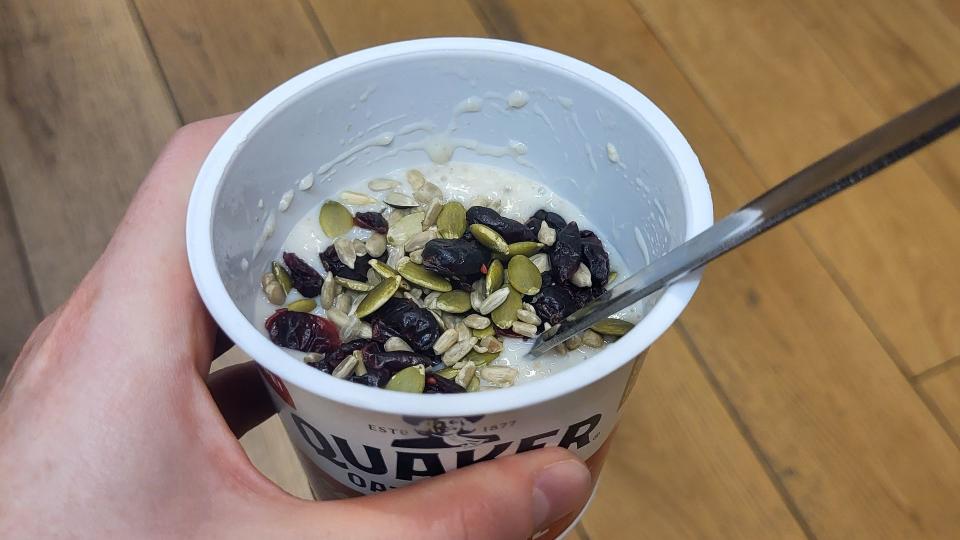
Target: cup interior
[590, 137]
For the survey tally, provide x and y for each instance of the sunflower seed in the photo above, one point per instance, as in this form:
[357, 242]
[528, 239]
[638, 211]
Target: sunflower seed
[395, 215]
[431, 299]
[411, 379]
[432, 212]
[581, 278]
[343, 301]
[446, 340]
[400, 200]
[365, 331]
[466, 374]
[541, 261]
[382, 184]
[312, 357]
[304, 305]
[282, 276]
[358, 199]
[396, 344]
[378, 296]
[418, 275]
[452, 221]
[458, 351]
[449, 320]
[359, 247]
[474, 384]
[345, 251]
[416, 179]
[439, 319]
[592, 339]
[393, 259]
[273, 289]
[524, 329]
[478, 322]
[524, 275]
[403, 230]
[529, 317]
[416, 293]
[414, 299]
[346, 367]
[463, 333]
[419, 240]
[612, 327]
[573, 342]
[494, 278]
[489, 238]
[491, 344]
[353, 284]
[546, 235]
[338, 317]
[361, 368]
[502, 375]
[454, 302]
[428, 192]
[493, 301]
[505, 315]
[375, 245]
[373, 277]
[476, 299]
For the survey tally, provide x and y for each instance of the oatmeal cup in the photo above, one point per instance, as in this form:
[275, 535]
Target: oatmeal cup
[445, 107]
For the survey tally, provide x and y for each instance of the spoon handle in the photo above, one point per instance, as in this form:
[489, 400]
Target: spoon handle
[830, 175]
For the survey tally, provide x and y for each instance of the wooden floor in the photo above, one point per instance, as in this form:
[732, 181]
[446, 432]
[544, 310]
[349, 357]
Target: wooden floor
[812, 389]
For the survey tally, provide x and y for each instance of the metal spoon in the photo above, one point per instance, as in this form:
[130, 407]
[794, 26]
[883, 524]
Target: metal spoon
[830, 175]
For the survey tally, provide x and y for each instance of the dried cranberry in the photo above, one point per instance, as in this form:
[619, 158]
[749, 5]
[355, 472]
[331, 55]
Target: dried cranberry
[455, 258]
[565, 258]
[373, 377]
[506, 332]
[394, 361]
[595, 257]
[332, 263]
[373, 221]
[402, 318]
[511, 230]
[435, 384]
[553, 219]
[556, 303]
[306, 280]
[304, 332]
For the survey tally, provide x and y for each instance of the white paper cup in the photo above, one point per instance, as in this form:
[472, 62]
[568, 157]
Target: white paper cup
[335, 120]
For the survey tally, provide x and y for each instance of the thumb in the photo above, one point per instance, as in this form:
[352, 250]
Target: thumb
[512, 497]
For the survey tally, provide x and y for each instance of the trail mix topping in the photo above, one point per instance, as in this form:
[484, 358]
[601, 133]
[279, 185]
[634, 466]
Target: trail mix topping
[424, 302]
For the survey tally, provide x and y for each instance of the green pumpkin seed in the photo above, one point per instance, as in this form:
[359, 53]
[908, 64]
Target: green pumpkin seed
[494, 279]
[448, 373]
[524, 275]
[452, 221]
[524, 248]
[403, 230]
[335, 219]
[480, 359]
[409, 379]
[282, 276]
[354, 285]
[304, 305]
[611, 277]
[489, 237]
[418, 275]
[378, 296]
[612, 327]
[454, 302]
[506, 313]
[474, 384]
[483, 332]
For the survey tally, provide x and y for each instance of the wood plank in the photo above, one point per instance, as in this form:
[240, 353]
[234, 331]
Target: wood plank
[858, 453]
[922, 42]
[894, 242]
[20, 313]
[943, 390]
[219, 56]
[357, 24]
[679, 468]
[84, 116]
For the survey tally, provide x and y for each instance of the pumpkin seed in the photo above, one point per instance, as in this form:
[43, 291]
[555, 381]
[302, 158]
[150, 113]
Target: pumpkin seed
[546, 235]
[428, 192]
[506, 313]
[494, 301]
[400, 200]
[419, 240]
[404, 229]
[448, 373]
[474, 384]
[378, 296]
[452, 221]
[613, 327]
[304, 305]
[611, 277]
[476, 322]
[376, 244]
[345, 251]
[335, 219]
[456, 353]
[432, 212]
[524, 275]
[480, 359]
[273, 290]
[573, 342]
[523, 248]
[454, 302]
[396, 344]
[581, 278]
[416, 179]
[592, 339]
[489, 237]
[382, 184]
[282, 276]
[503, 375]
[353, 284]
[524, 329]
[483, 332]
[465, 375]
[494, 277]
[418, 275]
[409, 379]
[528, 316]
[358, 199]
[346, 367]
[541, 261]
[446, 340]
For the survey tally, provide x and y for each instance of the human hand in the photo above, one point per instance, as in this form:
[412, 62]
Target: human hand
[111, 427]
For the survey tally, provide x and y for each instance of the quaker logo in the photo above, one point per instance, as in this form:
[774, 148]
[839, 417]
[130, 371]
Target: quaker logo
[457, 432]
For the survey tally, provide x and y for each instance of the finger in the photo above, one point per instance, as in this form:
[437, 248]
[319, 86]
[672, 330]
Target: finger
[511, 497]
[241, 397]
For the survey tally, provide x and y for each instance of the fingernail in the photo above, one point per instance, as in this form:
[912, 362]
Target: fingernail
[558, 489]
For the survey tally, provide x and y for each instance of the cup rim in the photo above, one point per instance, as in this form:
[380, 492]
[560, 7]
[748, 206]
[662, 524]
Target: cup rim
[693, 185]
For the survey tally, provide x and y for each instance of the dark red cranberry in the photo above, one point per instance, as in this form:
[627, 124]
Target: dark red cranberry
[565, 257]
[402, 318]
[435, 384]
[305, 279]
[510, 229]
[373, 221]
[303, 332]
[332, 263]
